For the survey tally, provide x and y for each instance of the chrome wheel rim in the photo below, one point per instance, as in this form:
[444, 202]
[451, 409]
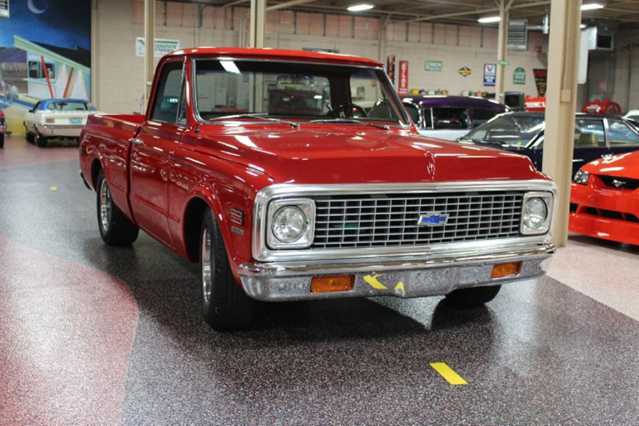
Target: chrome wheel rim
[206, 265]
[105, 206]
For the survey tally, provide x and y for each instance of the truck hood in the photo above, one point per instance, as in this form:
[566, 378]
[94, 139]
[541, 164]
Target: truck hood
[622, 165]
[358, 154]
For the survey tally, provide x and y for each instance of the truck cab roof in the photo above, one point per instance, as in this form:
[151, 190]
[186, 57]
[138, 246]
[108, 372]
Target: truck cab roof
[282, 54]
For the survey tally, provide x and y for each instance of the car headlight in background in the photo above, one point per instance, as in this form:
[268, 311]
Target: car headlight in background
[581, 177]
[536, 214]
[291, 223]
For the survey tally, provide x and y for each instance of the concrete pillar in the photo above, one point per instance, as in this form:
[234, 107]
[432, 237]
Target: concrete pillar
[502, 49]
[95, 57]
[561, 103]
[149, 46]
[257, 23]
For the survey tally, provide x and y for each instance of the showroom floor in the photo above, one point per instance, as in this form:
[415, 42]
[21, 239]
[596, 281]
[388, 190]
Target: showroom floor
[96, 334]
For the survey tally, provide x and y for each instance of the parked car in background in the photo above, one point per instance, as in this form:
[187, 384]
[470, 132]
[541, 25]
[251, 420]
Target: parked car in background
[523, 132]
[450, 117]
[3, 127]
[633, 115]
[604, 199]
[296, 198]
[56, 118]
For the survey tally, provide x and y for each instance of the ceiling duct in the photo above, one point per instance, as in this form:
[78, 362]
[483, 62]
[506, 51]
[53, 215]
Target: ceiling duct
[4, 8]
[518, 34]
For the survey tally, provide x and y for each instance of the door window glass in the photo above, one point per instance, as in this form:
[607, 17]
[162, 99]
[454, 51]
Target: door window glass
[621, 134]
[167, 97]
[450, 118]
[482, 115]
[589, 134]
[413, 111]
[428, 118]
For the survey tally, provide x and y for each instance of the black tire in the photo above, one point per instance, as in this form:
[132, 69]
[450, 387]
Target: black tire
[225, 305]
[115, 228]
[474, 296]
[41, 141]
[1, 140]
[30, 137]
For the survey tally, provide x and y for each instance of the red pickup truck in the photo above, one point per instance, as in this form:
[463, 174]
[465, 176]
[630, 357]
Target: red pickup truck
[299, 176]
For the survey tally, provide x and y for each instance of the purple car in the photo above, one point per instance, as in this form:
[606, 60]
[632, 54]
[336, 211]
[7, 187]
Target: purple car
[450, 117]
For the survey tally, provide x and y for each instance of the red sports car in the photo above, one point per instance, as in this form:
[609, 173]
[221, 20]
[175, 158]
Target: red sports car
[604, 200]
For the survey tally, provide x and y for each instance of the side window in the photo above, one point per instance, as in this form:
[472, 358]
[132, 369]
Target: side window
[181, 116]
[482, 115]
[167, 97]
[622, 135]
[413, 111]
[428, 118]
[450, 118]
[589, 134]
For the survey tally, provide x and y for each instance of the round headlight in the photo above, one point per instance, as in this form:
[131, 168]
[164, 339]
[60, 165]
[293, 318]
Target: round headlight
[289, 224]
[535, 213]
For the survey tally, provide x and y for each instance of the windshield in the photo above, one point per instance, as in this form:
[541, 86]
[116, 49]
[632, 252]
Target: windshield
[69, 106]
[509, 129]
[294, 91]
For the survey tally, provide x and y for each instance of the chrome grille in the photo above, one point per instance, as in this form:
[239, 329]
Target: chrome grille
[391, 219]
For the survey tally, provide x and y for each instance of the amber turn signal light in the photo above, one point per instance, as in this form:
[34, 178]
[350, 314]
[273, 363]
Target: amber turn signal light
[328, 284]
[504, 270]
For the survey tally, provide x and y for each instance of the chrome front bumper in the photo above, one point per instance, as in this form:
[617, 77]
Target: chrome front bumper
[410, 276]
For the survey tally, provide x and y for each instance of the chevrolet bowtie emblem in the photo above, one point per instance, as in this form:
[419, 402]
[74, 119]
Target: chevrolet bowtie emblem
[433, 219]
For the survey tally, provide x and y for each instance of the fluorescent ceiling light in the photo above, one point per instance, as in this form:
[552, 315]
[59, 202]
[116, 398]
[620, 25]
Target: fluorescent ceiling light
[582, 26]
[592, 6]
[360, 7]
[489, 19]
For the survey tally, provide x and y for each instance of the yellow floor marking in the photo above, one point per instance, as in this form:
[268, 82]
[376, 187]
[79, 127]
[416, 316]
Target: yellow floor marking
[373, 282]
[448, 373]
[400, 286]
[54, 188]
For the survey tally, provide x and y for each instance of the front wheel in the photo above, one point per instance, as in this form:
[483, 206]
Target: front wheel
[41, 141]
[1, 140]
[473, 296]
[115, 228]
[224, 304]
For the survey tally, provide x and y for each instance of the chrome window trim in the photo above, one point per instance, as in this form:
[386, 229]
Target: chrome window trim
[262, 253]
[404, 123]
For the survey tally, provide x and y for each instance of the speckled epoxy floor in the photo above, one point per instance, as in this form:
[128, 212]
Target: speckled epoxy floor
[541, 352]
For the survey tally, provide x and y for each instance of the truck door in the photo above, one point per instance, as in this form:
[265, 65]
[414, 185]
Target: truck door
[151, 150]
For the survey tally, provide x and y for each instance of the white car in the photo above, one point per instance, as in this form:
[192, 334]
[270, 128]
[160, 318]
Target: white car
[632, 115]
[56, 118]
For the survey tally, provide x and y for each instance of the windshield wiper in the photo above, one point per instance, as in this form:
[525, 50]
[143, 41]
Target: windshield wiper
[350, 120]
[260, 115]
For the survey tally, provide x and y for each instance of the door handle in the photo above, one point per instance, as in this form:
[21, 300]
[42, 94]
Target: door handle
[136, 141]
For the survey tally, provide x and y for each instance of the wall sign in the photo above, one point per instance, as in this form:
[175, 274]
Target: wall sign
[490, 74]
[519, 76]
[390, 68]
[465, 71]
[433, 65]
[403, 78]
[161, 48]
[540, 81]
